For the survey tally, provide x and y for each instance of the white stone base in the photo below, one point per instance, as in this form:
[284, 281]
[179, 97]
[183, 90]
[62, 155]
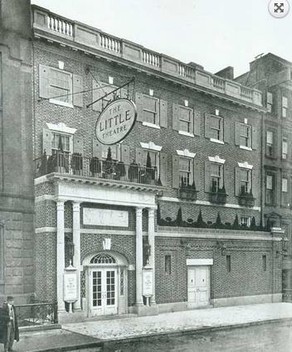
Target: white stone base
[242, 300]
[77, 317]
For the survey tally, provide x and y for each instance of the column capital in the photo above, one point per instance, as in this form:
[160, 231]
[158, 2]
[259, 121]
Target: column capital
[150, 212]
[139, 211]
[76, 206]
[60, 205]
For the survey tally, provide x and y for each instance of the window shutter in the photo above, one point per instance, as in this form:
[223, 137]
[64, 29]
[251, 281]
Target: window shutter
[226, 129]
[197, 123]
[96, 149]
[175, 171]
[237, 133]
[191, 112]
[222, 180]
[44, 81]
[97, 93]
[175, 117]
[125, 154]
[47, 141]
[77, 88]
[163, 113]
[140, 157]
[163, 168]
[254, 138]
[78, 144]
[207, 125]
[237, 181]
[197, 174]
[207, 176]
[139, 104]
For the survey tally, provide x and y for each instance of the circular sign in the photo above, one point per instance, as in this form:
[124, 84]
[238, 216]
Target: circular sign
[115, 121]
[279, 9]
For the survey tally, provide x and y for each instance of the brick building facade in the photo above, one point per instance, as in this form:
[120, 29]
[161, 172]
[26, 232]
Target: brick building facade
[170, 217]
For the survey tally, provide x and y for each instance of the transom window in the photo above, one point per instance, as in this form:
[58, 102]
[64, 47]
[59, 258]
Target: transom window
[150, 110]
[216, 176]
[185, 172]
[103, 258]
[245, 135]
[185, 119]
[216, 127]
[60, 85]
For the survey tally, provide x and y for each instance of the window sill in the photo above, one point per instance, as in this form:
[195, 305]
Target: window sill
[149, 124]
[61, 103]
[216, 141]
[184, 133]
[245, 148]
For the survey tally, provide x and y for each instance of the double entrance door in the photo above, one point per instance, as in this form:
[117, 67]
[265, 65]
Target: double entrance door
[198, 286]
[103, 293]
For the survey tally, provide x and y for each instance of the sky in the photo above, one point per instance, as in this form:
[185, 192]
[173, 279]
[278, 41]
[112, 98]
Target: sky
[212, 33]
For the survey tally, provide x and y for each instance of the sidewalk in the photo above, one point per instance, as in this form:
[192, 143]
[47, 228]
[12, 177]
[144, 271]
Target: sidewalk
[90, 335]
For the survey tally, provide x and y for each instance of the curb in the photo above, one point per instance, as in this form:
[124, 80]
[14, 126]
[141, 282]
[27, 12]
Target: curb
[72, 347]
[38, 328]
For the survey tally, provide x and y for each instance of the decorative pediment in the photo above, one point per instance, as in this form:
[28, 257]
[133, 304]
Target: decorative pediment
[151, 146]
[245, 165]
[216, 159]
[186, 153]
[61, 127]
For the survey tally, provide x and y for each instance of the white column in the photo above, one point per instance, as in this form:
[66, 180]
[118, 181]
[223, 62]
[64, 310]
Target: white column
[60, 255]
[139, 257]
[76, 241]
[151, 237]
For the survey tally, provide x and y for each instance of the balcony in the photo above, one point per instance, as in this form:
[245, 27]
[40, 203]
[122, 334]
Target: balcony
[96, 42]
[95, 168]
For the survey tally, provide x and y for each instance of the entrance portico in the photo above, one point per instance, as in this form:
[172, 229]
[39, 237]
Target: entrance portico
[106, 194]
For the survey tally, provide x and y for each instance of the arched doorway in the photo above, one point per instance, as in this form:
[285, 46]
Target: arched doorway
[106, 284]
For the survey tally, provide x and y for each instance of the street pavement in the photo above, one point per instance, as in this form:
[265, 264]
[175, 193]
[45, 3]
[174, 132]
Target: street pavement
[91, 335]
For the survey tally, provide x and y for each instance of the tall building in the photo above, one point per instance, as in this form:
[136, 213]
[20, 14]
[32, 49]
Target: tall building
[168, 218]
[272, 75]
[16, 171]
[131, 181]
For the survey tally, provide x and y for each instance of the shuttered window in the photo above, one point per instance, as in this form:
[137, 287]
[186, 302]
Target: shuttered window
[270, 143]
[216, 128]
[216, 180]
[284, 106]
[61, 142]
[185, 119]
[60, 87]
[245, 135]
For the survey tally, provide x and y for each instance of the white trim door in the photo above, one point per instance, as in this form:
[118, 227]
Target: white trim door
[198, 286]
[103, 291]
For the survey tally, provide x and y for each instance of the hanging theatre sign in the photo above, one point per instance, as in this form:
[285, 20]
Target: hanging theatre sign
[116, 121]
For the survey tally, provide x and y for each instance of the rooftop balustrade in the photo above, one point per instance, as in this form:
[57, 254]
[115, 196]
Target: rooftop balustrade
[47, 24]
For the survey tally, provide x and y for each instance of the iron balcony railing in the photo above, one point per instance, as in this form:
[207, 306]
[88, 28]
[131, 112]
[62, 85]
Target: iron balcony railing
[76, 164]
[36, 314]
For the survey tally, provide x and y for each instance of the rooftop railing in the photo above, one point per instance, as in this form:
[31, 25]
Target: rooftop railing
[47, 24]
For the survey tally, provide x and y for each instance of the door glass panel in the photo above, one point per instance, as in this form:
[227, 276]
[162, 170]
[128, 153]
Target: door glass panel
[110, 287]
[96, 289]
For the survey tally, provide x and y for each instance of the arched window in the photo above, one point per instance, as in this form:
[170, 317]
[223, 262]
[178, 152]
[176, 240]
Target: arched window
[103, 258]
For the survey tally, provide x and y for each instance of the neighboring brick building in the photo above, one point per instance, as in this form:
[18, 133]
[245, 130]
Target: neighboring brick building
[194, 154]
[16, 166]
[272, 75]
[169, 218]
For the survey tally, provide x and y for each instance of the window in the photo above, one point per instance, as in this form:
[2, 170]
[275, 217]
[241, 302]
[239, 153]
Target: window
[269, 101]
[264, 262]
[61, 142]
[245, 135]
[167, 264]
[216, 128]
[185, 119]
[270, 189]
[60, 86]
[185, 172]
[284, 106]
[228, 263]
[245, 180]
[284, 148]
[245, 221]
[284, 191]
[151, 157]
[122, 282]
[270, 143]
[114, 150]
[151, 110]
[216, 176]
